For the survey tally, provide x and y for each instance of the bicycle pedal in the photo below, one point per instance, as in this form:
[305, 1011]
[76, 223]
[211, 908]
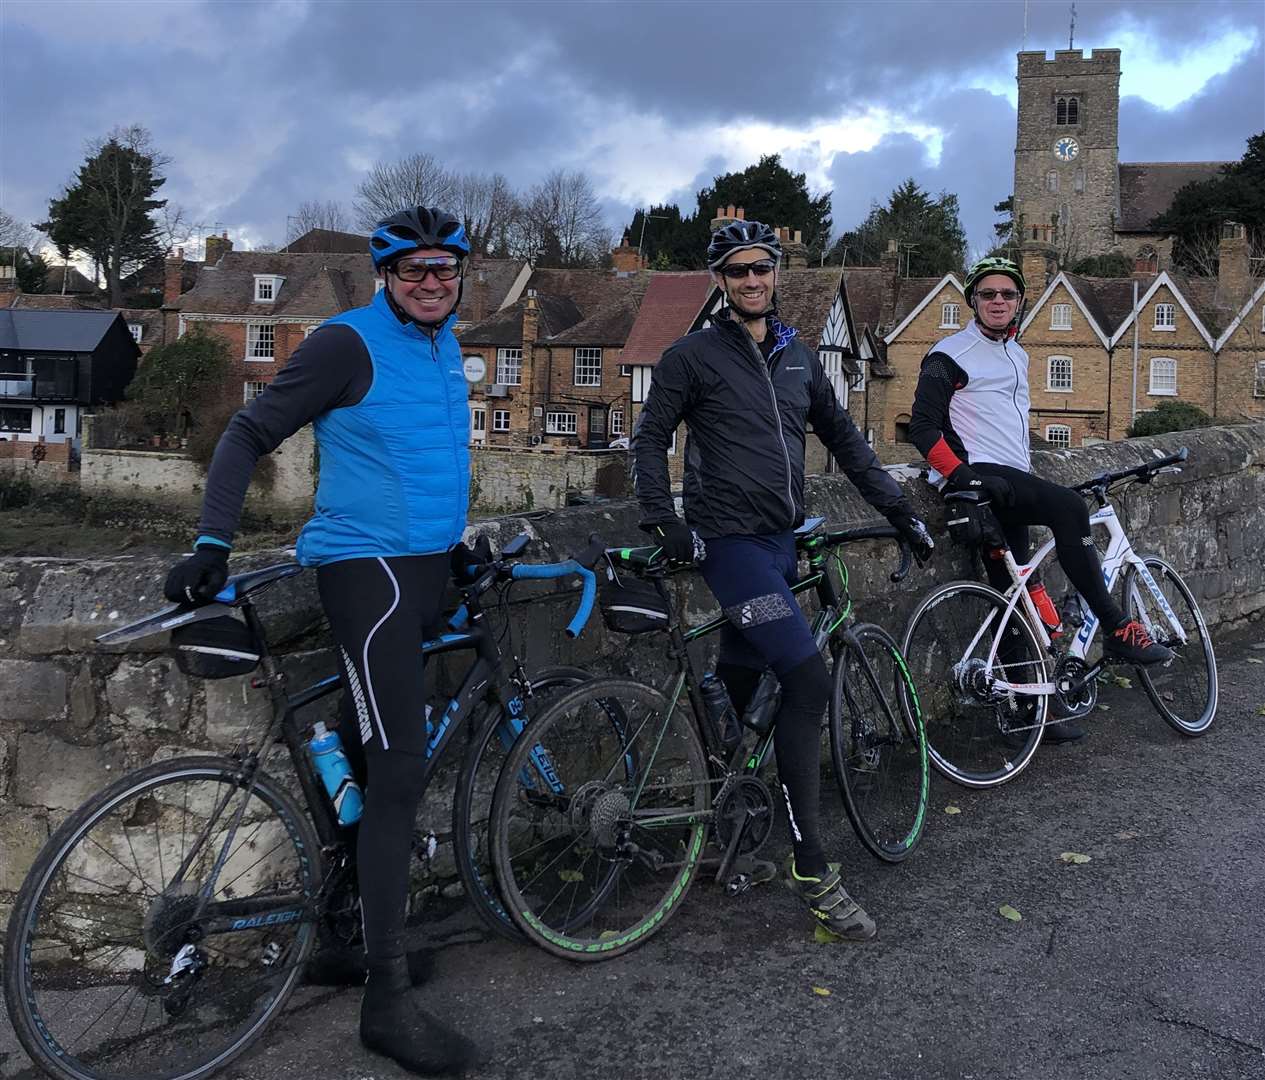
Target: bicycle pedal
[738, 884]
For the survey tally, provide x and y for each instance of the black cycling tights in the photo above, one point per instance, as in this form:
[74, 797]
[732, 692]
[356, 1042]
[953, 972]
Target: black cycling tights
[1064, 513]
[379, 611]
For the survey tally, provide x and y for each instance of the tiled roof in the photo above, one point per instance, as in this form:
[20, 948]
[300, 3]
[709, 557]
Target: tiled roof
[1147, 188]
[910, 292]
[1108, 300]
[505, 327]
[150, 318]
[609, 325]
[56, 331]
[488, 282]
[316, 241]
[587, 289]
[75, 282]
[53, 302]
[805, 297]
[1201, 295]
[865, 295]
[316, 285]
[669, 306]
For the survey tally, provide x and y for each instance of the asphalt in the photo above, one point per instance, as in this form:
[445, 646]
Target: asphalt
[1146, 962]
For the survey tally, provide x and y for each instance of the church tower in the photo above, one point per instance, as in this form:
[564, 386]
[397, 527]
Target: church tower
[1066, 150]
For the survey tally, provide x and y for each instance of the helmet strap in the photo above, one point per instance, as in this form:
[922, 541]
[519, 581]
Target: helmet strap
[1009, 331]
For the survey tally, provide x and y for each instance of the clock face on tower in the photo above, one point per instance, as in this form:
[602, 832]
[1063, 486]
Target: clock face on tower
[1066, 149]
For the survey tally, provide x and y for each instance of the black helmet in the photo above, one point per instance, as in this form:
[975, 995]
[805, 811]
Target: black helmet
[414, 228]
[741, 236]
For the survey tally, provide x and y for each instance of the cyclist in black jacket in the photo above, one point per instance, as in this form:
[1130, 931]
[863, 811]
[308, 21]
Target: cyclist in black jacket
[747, 388]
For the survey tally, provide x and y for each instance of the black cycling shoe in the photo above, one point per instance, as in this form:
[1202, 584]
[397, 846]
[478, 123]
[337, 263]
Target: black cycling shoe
[394, 1025]
[1063, 731]
[1131, 644]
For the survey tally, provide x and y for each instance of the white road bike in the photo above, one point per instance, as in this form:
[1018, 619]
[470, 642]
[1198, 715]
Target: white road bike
[988, 675]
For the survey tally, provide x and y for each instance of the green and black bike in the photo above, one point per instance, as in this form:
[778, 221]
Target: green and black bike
[596, 856]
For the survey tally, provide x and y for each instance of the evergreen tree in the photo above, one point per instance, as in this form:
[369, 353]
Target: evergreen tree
[928, 232]
[105, 212]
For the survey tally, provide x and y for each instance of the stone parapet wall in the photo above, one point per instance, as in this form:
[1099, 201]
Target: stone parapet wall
[72, 716]
[505, 479]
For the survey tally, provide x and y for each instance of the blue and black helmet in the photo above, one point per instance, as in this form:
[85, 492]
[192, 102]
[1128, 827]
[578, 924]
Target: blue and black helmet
[415, 228]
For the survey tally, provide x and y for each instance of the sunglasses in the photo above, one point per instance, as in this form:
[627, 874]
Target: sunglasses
[444, 269]
[738, 271]
[1005, 294]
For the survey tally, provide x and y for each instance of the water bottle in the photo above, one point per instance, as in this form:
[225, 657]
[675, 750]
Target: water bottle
[335, 772]
[764, 702]
[720, 709]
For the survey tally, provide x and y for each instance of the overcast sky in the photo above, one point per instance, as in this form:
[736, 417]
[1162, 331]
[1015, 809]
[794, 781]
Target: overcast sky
[263, 105]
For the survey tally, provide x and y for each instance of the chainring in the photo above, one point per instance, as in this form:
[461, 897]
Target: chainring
[1067, 671]
[733, 802]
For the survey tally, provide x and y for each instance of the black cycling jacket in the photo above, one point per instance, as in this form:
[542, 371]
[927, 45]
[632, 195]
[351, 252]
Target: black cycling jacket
[747, 420]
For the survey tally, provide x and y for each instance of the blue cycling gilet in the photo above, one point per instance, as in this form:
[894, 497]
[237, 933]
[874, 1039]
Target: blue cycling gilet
[394, 467]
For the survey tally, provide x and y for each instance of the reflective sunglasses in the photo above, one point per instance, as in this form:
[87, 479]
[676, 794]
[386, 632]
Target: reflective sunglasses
[738, 271]
[445, 268]
[1005, 294]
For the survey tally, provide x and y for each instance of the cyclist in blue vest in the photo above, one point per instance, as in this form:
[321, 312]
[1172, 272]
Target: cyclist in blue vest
[383, 387]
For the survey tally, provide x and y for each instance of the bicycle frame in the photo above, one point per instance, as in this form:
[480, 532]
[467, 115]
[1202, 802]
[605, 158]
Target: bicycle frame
[1119, 553]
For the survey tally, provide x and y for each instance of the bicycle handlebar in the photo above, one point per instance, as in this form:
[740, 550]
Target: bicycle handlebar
[866, 532]
[1143, 473]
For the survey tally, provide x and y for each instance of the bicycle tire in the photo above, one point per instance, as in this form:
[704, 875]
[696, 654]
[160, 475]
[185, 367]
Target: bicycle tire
[1184, 692]
[622, 830]
[879, 750]
[476, 784]
[52, 956]
[970, 740]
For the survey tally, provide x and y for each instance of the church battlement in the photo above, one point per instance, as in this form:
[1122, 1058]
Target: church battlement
[1069, 62]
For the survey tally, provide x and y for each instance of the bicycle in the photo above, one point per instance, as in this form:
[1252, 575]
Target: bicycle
[595, 860]
[986, 669]
[168, 920]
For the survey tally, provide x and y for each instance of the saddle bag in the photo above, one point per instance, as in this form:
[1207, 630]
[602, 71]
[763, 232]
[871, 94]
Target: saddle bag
[216, 648]
[632, 605]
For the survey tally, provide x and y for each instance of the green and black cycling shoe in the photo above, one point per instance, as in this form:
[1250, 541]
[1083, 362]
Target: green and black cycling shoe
[829, 903]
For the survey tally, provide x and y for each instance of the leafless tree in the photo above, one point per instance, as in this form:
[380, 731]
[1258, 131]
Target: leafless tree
[173, 227]
[417, 180]
[487, 207]
[316, 215]
[560, 223]
[15, 233]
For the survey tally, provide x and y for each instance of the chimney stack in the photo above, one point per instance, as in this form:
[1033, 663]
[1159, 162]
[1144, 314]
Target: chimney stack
[727, 215]
[173, 278]
[794, 250]
[216, 246]
[626, 259]
[1234, 280]
[1035, 261]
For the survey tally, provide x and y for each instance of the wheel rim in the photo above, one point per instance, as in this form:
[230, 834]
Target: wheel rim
[120, 979]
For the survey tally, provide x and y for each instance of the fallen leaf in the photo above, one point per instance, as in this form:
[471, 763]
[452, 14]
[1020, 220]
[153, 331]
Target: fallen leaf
[606, 935]
[570, 875]
[1105, 708]
[1255, 660]
[951, 809]
[821, 991]
[823, 936]
[1122, 681]
[1007, 912]
[1167, 695]
[1074, 857]
[1260, 709]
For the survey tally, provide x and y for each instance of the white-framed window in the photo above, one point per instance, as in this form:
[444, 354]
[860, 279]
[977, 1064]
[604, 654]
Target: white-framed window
[182, 327]
[1258, 385]
[561, 423]
[1059, 435]
[950, 316]
[509, 367]
[1165, 317]
[1163, 376]
[859, 385]
[260, 341]
[478, 420]
[137, 330]
[617, 422]
[251, 389]
[588, 367]
[266, 288]
[1061, 317]
[625, 370]
[832, 365]
[500, 419]
[309, 330]
[1058, 374]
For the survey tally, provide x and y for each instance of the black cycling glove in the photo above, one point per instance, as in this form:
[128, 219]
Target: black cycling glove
[996, 489]
[463, 556]
[199, 577]
[676, 539]
[914, 532]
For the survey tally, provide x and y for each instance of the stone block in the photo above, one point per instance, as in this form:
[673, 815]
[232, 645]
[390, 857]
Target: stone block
[149, 695]
[6, 756]
[83, 698]
[33, 690]
[57, 775]
[22, 834]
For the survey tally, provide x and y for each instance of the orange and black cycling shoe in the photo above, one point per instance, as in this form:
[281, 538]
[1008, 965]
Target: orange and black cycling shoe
[1131, 644]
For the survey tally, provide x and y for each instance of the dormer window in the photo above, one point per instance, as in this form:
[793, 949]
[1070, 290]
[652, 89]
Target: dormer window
[266, 288]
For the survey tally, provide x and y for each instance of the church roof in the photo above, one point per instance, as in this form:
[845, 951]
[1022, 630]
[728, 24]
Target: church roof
[1147, 188]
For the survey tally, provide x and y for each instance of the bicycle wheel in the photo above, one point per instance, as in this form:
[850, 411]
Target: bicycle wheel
[596, 852]
[879, 753]
[477, 782]
[975, 736]
[116, 969]
[1183, 692]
